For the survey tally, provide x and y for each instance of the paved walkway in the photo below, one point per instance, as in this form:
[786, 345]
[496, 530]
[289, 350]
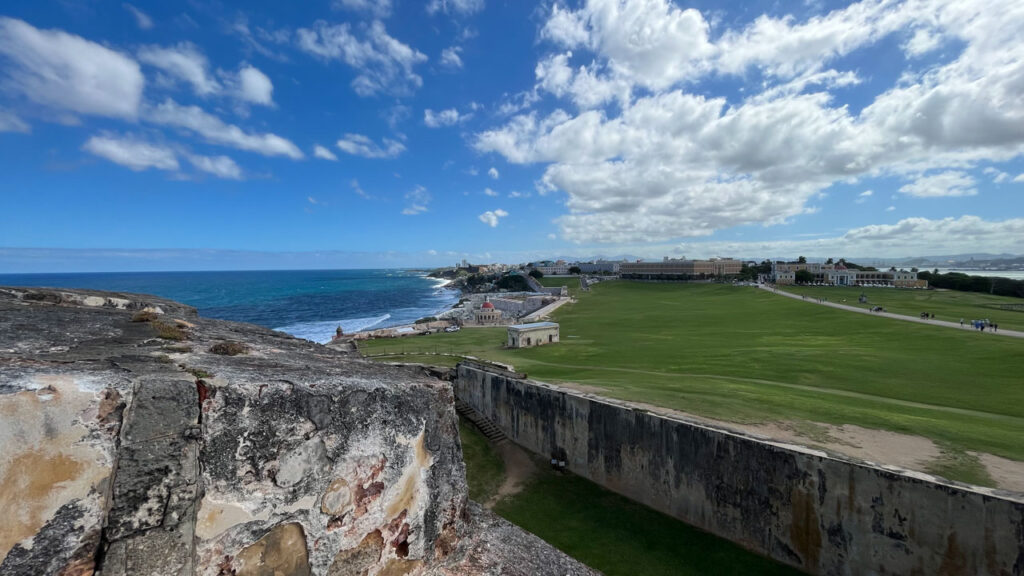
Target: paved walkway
[943, 323]
[536, 316]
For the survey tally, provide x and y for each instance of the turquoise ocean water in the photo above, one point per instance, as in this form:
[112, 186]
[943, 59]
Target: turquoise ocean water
[305, 303]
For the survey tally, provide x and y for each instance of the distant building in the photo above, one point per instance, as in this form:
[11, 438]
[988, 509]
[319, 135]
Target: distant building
[535, 334]
[784, 273]
[559, 268]
[669, 269]
[599, 267]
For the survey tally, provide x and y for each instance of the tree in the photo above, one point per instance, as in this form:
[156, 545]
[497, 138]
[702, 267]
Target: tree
[575, 270]
[829, 261]
[801, 260]
[804, 277]
[536, 274]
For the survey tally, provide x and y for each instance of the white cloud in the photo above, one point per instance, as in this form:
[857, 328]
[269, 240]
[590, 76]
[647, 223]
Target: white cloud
[383, 63]
[491, 217]
[131, 152]
[416, 201]
[219, 166]
[459, 7]
[360, 145]
[493, 173]
[673, 163]
[998, 176]
[491, 193]
[359, 189]
[61, 71]
[450, 57]
[447, 117]
[216, 131]
[552, 236]
[142, 19]
[916, 236]
[863, 196]
[378, 8]
[183, 62]
[255, 87]
[890, 209]
[10, 122]
[949, 183]
[1019, 178]
[323, 153]
[517, 194]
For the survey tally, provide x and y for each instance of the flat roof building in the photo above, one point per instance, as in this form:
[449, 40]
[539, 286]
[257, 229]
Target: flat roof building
[534, 334]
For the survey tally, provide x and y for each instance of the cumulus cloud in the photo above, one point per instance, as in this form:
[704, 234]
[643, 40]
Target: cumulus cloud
[949, 183]
[377, 8]
[458, 7]
[491, 193]
[219, 166]
[255, 87]
[216, 131]
[863, 196]
[416, 201]
[918, 236]
[450, 57]
[447, 117]
[186, 63]
[493, 173]
[131, 152]
[383, 64]
[360, 145]
[142, 20]
[1019, 178]
[323, 153]
[669, 162]
[68, 73]
[491, 217]
[359, 189]
[10, 122]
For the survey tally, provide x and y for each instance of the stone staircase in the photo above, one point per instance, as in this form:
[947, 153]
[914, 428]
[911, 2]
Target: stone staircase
[484, 424]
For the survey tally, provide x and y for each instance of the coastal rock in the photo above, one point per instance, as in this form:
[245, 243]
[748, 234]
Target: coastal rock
[125, 452]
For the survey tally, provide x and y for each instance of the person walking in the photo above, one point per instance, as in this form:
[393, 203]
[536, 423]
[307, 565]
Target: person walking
[961, 322]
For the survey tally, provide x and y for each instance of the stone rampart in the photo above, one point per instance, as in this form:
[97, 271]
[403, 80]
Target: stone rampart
[799, 506]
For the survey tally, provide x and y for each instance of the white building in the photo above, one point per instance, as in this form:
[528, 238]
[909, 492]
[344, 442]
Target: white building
[535, 334]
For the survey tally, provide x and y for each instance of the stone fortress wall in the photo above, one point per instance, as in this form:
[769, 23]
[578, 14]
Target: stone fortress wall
[796, 505]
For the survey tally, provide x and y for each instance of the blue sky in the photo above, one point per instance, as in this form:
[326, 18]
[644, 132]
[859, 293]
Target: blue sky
[420, 133]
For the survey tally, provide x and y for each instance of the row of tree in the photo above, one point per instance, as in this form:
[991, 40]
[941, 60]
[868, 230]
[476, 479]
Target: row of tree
[966, 283]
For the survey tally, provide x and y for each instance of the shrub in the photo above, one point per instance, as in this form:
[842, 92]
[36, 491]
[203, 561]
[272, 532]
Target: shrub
[144, 316]
[229, 348]
[169, 331]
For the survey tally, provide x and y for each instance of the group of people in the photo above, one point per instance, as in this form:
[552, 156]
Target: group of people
[980, 325]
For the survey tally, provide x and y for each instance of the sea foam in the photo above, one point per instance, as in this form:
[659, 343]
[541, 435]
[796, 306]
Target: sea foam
[322, 331]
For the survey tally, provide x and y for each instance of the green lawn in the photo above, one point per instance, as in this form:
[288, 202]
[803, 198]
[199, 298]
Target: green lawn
[488, 471]
[573, 282]
[949, 305]
[746, 355]
[606, 531]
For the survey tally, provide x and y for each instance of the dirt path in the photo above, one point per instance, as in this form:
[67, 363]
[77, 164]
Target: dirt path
[519, 467]
[943, 323]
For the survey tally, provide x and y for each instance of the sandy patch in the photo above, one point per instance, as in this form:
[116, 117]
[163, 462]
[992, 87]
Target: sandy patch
[519, 467]
[1008, 474]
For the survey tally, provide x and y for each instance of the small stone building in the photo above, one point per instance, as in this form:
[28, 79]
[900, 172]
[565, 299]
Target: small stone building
[535, 334]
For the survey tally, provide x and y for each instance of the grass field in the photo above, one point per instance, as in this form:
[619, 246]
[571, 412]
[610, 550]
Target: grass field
[745, 355]
[604, 530]
[948, 305]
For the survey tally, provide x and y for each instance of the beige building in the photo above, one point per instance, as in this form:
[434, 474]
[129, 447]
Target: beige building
[672, 267]
[535, 334]
[487, 314]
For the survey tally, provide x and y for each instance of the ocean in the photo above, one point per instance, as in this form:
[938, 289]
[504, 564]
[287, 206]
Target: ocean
[308, 304]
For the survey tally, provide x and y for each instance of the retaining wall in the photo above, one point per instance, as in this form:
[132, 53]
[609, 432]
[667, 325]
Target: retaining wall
[799, 506]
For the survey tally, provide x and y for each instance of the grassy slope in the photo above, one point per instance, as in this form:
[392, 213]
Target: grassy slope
[741, 354]
[948, 305]
[605, 530]
[484, 469]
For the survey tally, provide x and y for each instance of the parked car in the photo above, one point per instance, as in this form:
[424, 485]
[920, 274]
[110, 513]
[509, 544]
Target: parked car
[452, 329]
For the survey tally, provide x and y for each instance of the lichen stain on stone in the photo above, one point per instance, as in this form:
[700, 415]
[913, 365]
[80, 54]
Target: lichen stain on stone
[804, 532]
[406, 497]
[47, 464]
[281, 552]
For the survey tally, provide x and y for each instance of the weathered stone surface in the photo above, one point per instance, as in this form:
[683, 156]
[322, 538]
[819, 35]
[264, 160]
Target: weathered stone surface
[800, 506]
[126, 454]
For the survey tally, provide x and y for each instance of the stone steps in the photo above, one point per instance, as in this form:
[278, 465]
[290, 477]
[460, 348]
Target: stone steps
[486, 427]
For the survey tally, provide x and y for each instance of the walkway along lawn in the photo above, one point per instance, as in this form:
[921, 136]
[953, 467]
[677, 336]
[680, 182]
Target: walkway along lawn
[744, 355]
